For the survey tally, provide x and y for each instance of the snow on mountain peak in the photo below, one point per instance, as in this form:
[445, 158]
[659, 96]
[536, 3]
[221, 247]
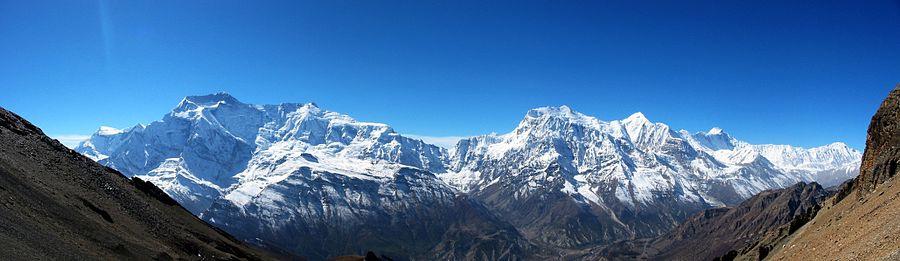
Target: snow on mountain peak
[714, 131]
[551, 111]
[107, 131]
[637, 117]
[192, 106]
[555, 118]
[637, 122]
[645, 134]
[210, 99]
[220, 142]
[839, 146]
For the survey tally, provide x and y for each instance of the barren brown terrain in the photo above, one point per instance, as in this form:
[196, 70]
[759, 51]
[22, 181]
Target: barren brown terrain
[867, 229]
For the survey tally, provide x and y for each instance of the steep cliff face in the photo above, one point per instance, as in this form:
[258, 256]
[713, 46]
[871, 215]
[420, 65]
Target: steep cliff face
[864, 221]
[882, 154]
[57, 204]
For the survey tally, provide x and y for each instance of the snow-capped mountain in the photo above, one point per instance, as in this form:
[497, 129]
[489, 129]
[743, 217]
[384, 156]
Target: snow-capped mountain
[318, 183]
[631, 177]
[214, 146]
[291, 175]
[635, 147]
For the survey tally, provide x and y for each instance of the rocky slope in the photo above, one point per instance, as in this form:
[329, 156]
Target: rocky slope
[747, 229]
[58, 204]
[863, 220]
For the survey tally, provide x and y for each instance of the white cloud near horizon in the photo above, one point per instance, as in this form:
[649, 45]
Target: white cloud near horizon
[71, 140]
[446, 142]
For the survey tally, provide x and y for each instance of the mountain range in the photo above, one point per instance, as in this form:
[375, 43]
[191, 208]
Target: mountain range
[301, 179]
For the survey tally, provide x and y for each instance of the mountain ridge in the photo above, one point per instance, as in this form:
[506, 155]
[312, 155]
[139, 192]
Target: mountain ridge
[632, 177]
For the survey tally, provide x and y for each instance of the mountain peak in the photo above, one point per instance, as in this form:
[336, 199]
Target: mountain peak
[541, 116]
[210, 99]
[553, 111]
[714, 131]
[190, 106]
[838, 145]
[107, 131]
[637, 117]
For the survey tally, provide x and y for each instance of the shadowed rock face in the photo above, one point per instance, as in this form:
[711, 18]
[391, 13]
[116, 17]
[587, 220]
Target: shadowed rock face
[58, 204]
[882, 155]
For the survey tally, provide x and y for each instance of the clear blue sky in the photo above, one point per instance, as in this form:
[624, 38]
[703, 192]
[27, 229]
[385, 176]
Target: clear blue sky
[778, 72]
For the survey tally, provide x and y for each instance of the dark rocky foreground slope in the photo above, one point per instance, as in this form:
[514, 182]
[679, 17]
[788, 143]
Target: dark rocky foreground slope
[57, 204]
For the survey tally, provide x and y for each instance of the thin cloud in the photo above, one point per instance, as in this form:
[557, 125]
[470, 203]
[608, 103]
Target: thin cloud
[447, 142]
[71, 140]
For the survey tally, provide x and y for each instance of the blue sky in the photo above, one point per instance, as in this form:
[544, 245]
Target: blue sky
[798, 73]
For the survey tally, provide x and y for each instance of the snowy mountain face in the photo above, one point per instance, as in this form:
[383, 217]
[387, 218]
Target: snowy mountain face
[637, 152]
[631, 177]
[318, 183]
[215, 146]
[290, 175]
